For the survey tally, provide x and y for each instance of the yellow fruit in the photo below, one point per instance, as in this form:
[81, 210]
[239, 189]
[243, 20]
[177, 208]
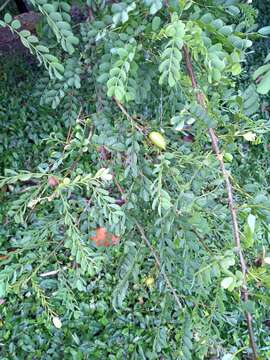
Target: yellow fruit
[149, 281]
[66, 181]
[157, 139]
[228, 157]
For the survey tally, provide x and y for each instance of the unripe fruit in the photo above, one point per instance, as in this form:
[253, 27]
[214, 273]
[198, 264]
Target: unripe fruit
[157, 139]
[228, 157]
[149, 281]
[66, 181]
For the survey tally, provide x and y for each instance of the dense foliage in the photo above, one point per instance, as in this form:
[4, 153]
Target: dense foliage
[101, 129]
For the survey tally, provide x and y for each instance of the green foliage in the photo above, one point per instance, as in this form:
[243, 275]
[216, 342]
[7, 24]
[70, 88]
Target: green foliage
[58, 18]
[51, 63]
[171, 56]
[262, 74]
[120, 74]
[77, 157]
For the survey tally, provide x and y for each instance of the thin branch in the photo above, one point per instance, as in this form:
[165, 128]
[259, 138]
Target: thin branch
[4, 5]
[130, 118]
[153, 251]
[202, 241]
[119, 187]
[214, 139]
[53, 272]
[75, 162]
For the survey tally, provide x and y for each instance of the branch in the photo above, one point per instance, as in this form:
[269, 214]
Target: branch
[53, 272]
[201, 240]
[153, 251]
[4, 5]
[236, 234]
[124, 111]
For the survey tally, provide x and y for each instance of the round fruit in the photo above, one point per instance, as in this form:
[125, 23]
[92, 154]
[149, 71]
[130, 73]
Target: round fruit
[157, 139]
[149, 281]
[52, 181]
[228, 157]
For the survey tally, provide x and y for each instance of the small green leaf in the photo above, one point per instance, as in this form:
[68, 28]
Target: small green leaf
[32, 39]
[227, 262]
[73, 40]
[111, 91]
[251, 220]
[102, 78]
[48, 8]
[236, 69]
[25, 33]
[56, 16]
[16, 24]
[262, 70]
[7, 18]
[264, 85]
[42, 48]
[171, 80]
[227, 282]
[119, 93]
[264, 31]
[51, 57]
[58, 66]
[2, 289]
[123, 53]
[156, 23]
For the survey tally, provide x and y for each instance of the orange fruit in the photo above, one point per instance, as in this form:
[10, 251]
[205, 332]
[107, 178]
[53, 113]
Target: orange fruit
[104, 238]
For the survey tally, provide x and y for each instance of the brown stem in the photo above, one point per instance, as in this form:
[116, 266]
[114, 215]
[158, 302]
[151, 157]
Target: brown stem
[236, 234]
[201, 240]
[153, 251]
[130, 118]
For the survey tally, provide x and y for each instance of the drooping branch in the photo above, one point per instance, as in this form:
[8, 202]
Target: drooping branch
[236, 234]
[8, 39]
[130, 118]
[157, 259]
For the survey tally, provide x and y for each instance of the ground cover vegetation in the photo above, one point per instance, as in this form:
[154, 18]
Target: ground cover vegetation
[134, 181]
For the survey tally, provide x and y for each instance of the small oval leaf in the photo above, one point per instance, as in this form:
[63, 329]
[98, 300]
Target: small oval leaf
[57, 322]
[227, 282]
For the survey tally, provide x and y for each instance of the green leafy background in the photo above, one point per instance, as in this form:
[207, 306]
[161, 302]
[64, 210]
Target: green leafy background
[79, 110]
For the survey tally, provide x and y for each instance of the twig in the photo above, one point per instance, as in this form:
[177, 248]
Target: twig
[75, 162]
[70, 131]
[153, 251]
[124, 111]
[201, 240]
[119, 187]
[201, 101]
[52, 273]
[90, 14]
[4, 5]
[68, 135]
[88, 204]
